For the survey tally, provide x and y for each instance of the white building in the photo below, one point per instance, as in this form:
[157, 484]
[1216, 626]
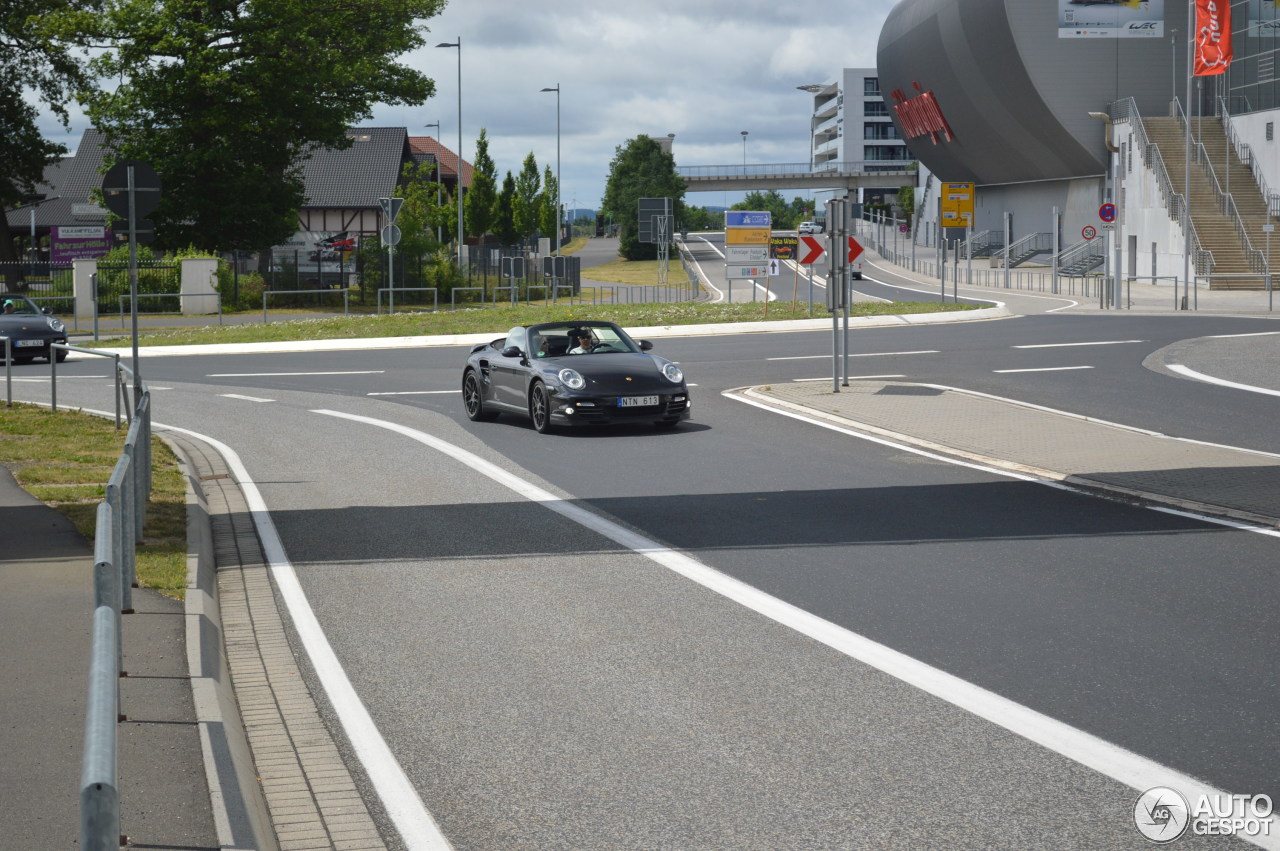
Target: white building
[851, 130]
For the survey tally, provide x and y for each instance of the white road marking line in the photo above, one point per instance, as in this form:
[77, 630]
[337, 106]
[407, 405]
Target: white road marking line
[1255, 334]
[272, 374]
[1200, 376]
[1108, 759]
[416, 826]
[1064, 345]
[860, 355]
[246, 398]
[851, 378]
[1044, 369]
[412, 392]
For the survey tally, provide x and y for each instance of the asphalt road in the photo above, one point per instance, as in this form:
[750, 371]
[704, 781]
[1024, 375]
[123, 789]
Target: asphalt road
[545, 686]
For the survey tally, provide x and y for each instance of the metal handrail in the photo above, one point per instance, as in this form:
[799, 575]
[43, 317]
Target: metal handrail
[1127, 111]
[1038, 241]
[1227, 207]
[1245, 153]
[120, 519]
[1092, 249]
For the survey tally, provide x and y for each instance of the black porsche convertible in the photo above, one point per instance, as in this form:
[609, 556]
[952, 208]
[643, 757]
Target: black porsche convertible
[573, 373]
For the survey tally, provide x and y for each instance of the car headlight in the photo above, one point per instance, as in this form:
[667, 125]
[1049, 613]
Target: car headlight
[673, 373]
[572, 379]
[56, 324]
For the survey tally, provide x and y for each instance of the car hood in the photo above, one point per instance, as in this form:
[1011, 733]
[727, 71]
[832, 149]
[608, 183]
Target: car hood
[15, 322]
[615, 368]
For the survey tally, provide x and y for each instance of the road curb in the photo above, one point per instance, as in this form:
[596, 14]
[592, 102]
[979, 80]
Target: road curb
[704, 330]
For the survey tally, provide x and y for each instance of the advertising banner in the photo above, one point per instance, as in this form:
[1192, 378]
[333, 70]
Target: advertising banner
[1213, 37]
[78, 243]
[1112, 19]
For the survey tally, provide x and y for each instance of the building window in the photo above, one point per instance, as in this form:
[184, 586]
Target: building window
[871, 87]
[1271, 131]
[875, 109]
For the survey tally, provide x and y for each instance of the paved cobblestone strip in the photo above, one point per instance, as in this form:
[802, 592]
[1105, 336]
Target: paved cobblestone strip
[313, 800]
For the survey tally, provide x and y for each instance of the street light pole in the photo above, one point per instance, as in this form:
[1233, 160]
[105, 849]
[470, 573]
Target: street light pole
[439, 200]
[744, 153]
[458, 188]
[558, 212]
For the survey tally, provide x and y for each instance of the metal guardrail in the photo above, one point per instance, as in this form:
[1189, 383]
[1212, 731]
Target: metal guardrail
[708, 172]
[391, 302]
[120, 519]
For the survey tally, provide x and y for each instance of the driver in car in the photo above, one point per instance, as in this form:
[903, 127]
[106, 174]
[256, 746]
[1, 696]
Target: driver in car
[584, 341]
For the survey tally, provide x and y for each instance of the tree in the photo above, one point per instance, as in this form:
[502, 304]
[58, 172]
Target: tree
[528, 184]
[226, 100]
[31, 58]
[548, 214]
[420, 212]
[482, 196]
[771, 201]
[505, 224]
[640, 169]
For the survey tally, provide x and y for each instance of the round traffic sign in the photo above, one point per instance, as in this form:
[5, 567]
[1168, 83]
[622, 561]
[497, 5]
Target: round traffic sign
[1088, 232]
[146, 189]
[391, 235]
[1107, 212]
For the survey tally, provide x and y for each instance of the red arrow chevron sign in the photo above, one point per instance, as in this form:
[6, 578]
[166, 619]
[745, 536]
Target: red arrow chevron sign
[815, 250]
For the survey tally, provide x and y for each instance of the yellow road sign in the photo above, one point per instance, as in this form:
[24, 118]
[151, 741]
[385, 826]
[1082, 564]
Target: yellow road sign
[747, 236]
[957, 205]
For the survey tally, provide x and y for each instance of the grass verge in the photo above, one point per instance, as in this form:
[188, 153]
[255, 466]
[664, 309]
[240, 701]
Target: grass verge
[497, 320]
[64, 460]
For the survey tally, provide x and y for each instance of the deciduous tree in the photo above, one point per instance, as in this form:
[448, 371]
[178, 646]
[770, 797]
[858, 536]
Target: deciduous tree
[34, 60]
[225, 100]
[528, 185]
[640, 169]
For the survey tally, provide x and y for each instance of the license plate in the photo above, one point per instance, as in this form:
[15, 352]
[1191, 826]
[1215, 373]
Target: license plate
[637, 401]
[17, 344]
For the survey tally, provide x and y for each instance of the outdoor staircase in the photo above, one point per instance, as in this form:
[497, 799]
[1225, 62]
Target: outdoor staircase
[1217, 230]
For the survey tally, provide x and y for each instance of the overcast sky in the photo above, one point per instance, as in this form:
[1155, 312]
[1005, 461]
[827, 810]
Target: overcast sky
[704, 70]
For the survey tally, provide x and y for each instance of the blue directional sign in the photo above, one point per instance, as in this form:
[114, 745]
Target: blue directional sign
[747, 219]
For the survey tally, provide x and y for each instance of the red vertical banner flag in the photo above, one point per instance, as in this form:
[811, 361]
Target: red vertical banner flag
[1213, 37]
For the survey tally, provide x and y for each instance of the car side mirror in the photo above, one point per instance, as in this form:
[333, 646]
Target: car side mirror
[47, 311]
[645, 345]
[512, 352]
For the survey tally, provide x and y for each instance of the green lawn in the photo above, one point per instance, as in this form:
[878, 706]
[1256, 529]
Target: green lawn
[497, 320]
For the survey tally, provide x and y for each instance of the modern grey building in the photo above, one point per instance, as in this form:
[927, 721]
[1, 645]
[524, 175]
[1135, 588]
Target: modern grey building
[1003, 93]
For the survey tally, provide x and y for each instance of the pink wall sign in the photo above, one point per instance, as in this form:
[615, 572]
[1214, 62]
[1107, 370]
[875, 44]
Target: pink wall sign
[78, 243]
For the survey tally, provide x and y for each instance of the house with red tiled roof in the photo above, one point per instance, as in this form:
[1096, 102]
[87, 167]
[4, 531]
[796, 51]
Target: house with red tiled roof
[429, 150]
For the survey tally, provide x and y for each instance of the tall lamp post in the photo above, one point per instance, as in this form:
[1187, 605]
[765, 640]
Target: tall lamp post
[744, 153]
[556, 89]
[439, 200]
[458, 44]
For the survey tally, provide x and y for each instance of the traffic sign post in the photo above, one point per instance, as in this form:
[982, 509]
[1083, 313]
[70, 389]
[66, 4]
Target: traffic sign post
[131, 189]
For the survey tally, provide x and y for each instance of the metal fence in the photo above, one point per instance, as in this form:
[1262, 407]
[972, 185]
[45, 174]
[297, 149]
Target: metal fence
[120, 520]
[154, 279]
[47, 284]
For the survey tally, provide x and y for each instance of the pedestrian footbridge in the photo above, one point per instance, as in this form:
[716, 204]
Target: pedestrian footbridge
[758, 176]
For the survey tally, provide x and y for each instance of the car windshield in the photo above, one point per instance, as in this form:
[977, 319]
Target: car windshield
[555, 340]
[20, 306]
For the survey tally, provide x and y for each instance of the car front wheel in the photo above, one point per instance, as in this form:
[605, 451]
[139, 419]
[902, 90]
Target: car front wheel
[540, 408]
[473, 399]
